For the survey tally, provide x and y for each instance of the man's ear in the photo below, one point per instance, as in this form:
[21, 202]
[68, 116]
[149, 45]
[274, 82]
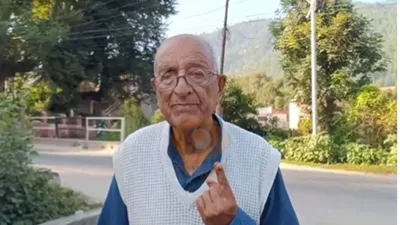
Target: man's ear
[153, 85]
[221, 85]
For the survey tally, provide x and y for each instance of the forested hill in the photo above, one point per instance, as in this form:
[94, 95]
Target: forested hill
[249, 47]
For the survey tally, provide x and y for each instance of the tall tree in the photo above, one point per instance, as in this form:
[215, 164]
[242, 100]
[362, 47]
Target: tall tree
[107, 42]
[348, 52]
[268, 91]
[112, 44]
[241, 108]
[26, 34]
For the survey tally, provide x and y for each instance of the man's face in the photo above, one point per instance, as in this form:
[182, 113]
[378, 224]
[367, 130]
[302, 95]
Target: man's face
[187, 87]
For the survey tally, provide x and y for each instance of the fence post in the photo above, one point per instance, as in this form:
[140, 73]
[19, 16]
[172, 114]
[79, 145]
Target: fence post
[56, 122]
[122, 129]
[87, 130]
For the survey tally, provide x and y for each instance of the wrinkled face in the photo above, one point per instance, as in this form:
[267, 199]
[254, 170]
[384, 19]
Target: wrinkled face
[187, 86]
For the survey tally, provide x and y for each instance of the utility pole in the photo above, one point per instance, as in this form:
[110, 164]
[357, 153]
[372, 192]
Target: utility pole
[219, 108]
[398, 72]
[313, 17]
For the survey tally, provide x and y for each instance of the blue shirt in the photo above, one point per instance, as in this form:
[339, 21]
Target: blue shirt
[278, 209]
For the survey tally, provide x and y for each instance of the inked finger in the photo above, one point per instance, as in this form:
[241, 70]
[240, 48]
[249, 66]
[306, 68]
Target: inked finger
[219, 170]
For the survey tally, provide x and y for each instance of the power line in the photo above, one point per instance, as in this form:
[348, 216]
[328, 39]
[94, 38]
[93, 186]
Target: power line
[150, 7]
[91, 8]
[341, 6]
[115, 10]
[129, 28]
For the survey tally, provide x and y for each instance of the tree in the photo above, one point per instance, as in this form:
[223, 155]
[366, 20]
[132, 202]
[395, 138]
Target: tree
[348, 52]
[112, 44]
[241, 108]
[372, 117]
[268, 91]
[26, 35]
[66, 42]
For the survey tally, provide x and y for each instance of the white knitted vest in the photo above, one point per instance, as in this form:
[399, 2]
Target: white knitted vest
[153, 195]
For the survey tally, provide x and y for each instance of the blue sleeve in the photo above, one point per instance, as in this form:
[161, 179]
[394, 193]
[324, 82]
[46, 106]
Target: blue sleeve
[277, 211]
[243, 219]
[114, 209]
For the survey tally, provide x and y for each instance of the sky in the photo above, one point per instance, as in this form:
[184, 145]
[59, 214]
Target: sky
[198, 16]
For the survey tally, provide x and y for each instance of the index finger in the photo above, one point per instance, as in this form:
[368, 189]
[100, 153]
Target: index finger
[219, 170]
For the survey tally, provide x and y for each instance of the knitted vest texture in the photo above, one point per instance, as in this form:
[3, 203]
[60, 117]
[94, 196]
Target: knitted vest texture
[153, 195]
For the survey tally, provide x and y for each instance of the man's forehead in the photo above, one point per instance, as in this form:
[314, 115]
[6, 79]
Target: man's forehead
[188, 47]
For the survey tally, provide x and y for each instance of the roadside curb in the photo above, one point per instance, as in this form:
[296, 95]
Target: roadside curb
[79, 218]
[287, 166]
[284, 166]
[77, 153]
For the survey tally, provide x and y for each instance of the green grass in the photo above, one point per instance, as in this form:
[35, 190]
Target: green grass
[374, 169]
[109, 136]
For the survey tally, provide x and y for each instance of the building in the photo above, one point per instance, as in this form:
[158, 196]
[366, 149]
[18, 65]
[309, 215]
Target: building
[270, 115]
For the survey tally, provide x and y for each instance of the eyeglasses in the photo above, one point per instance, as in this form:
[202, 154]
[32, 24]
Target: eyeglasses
[194, 77]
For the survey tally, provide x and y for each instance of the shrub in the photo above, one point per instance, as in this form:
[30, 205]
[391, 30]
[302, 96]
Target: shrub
[316, 149]
[241, 109]
[372, 116]
[305, 126]
[322, 149]
[157, 117]
[134, 116]
[27, 195]
[274, 132]
[391, 144]
[364, 155]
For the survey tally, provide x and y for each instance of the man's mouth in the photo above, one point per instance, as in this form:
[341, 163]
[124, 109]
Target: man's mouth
[184, 104]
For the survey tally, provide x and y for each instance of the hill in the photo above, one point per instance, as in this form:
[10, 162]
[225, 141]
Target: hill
[250, 44]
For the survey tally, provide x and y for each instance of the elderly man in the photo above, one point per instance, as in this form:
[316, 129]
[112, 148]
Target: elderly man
[194, 168]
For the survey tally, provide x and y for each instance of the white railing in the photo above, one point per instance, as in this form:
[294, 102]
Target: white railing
[87, 128]
[121, 129]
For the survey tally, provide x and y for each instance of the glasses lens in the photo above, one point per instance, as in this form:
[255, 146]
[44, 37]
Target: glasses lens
[197, 77]
[166, 82]
[193, 77]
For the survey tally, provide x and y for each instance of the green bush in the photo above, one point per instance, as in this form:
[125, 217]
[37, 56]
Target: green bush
[361, 154]
[134, 116]
[27, 195]
[316, 149]
[241, 109]
[157, 117]
[391, 144]
[305, 126]
[372, 116]
[322, 149]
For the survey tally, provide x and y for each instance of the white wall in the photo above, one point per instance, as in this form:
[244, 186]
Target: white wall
[294, 115]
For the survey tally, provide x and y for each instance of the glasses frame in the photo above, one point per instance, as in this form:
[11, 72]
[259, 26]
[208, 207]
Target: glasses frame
[156, 81]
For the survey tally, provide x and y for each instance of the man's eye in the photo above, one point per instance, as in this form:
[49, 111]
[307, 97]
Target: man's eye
[167, 77]
[197, 74]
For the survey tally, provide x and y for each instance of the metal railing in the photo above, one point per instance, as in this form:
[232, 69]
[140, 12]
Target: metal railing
[121, 129]
[78, 127]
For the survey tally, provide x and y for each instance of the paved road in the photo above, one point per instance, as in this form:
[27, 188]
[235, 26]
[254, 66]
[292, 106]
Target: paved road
[318, 198]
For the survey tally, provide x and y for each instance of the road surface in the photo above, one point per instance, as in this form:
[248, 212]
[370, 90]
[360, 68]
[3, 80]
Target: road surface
[318, 198]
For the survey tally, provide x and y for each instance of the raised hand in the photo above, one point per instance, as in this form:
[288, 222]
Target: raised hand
[217, 206]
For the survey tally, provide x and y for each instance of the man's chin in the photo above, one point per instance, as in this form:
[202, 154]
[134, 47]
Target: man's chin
[188, 121]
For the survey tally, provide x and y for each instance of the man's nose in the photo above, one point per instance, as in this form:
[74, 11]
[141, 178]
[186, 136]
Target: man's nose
[182, 87]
